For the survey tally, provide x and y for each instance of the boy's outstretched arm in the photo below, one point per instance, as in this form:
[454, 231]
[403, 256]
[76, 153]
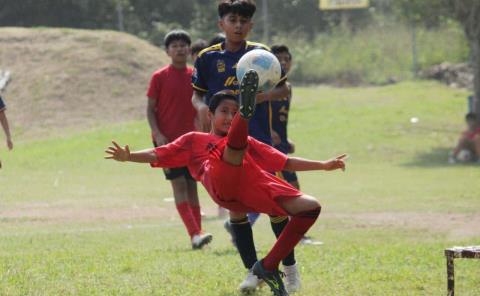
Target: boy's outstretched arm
[301, 164]
[118, 153]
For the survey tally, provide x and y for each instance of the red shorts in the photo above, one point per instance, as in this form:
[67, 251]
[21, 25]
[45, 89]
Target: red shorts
[247, 188]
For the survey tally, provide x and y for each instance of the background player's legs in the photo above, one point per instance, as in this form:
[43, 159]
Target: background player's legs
[242, 230]
[192, 196]
[182, 202]
[186, 201]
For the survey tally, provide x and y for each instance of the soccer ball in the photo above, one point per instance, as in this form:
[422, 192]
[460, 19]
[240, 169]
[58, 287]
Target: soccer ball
[265, 64]
[464, 155]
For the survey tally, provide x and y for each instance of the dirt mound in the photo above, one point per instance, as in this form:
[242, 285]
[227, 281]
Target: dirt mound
[64, 79]
[454, 75]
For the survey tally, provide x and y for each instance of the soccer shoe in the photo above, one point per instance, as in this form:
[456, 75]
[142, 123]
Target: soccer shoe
[228, 227]
[249, 284]
[200, 240]
[272, 278]
[292, 278]
[248, 92]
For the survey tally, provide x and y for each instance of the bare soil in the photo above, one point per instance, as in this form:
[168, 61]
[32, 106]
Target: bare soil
[65, 79]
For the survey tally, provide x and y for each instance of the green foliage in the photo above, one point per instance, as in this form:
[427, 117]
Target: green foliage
[375, 54]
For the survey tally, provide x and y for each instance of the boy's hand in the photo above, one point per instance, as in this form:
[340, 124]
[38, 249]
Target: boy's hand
[118, 153]
[275, 138]
[336, 163]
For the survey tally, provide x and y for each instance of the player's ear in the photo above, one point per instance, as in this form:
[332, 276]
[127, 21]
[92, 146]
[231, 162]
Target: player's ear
[220, 24]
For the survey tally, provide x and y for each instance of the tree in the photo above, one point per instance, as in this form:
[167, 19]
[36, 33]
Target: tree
[467, 13]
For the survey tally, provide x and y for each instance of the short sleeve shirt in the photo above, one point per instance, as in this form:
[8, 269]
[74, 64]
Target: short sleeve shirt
[172, 90]
[215, 70]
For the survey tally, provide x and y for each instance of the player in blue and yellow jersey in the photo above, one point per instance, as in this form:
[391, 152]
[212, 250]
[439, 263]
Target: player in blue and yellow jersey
[215, 70]
[280, 110]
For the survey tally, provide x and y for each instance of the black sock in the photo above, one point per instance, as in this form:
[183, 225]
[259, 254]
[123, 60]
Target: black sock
[244, 240]
[278, 224]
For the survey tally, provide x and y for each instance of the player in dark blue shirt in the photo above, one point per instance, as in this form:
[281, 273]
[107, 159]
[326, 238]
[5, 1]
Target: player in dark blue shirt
[215, 70]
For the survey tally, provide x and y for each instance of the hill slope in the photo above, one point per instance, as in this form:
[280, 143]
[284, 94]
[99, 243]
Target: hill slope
[74, 79]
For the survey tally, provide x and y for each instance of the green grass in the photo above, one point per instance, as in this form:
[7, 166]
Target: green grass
[72, 223]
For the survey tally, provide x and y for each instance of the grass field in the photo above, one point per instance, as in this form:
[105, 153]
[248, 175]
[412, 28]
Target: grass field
[72, 223]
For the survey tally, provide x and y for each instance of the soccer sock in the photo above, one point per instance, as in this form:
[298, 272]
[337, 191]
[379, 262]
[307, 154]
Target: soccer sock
[188, 219]
[238, 133]
[197, 214]
[289, 238]
[278, 224]
[244, 240]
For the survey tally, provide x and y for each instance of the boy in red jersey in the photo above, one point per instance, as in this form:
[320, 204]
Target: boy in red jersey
[5, 126]
[170, 115]
[215, 70]
[234, 169]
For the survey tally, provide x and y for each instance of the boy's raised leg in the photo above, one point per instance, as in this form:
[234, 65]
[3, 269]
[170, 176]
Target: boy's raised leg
[238, 133]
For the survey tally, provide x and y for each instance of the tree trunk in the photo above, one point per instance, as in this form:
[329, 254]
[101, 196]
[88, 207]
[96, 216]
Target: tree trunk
[475, 48]
[468, 13]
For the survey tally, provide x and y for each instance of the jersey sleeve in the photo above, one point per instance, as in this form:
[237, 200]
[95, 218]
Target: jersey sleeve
[154, 86]
[174, 154]
[267, 157]
[2, 105]
[199, 75]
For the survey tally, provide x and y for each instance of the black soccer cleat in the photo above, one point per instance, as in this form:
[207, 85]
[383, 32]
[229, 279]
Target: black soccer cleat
[272, 278]
[248, 92]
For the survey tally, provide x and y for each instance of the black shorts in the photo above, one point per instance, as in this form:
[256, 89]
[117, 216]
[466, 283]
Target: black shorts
[288, 176]
[173, 173]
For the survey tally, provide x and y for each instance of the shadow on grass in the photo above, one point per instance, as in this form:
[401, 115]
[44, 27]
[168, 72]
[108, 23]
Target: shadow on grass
[436, 157]
[223, 252]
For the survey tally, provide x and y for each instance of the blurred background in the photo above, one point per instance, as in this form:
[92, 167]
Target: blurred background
[387, 41]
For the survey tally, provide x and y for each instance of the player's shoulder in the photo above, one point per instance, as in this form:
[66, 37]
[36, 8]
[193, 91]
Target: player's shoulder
[161, 71]
[256, 45]
[214, 48]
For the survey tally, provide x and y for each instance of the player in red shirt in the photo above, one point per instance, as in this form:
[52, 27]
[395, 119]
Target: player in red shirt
[234, 169]
[468, 145]
[170, 115]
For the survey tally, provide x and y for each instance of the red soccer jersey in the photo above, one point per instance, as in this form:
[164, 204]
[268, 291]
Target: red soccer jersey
[471, 134]
[171, 88]
[246, 188]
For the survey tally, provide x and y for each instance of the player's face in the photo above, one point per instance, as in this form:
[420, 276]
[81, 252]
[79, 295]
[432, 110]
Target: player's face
[178, 51]
[223, 116]
[285, 61]
[236, 27]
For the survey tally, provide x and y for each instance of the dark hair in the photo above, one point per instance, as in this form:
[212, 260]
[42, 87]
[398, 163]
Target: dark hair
[220, 96]
[198, 46]
[219, 38]
[281, 48]
[245, 8]
[471, 116]
[176, 35]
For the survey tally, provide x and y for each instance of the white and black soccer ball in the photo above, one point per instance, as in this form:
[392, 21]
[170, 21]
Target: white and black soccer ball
[265, 64]
[464, 155]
